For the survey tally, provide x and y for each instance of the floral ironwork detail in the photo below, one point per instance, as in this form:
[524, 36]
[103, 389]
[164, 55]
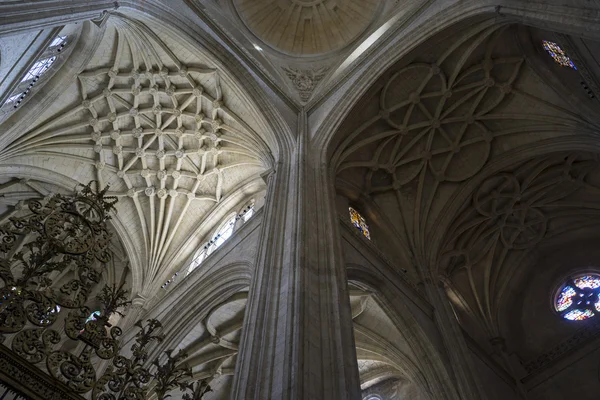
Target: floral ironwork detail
[63, 234]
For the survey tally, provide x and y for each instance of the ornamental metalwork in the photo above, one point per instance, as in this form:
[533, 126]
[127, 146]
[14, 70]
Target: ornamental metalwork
[51, 258]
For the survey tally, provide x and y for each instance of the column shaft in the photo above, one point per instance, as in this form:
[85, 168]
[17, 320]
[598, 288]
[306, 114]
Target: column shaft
[467, 384]
[298, 339]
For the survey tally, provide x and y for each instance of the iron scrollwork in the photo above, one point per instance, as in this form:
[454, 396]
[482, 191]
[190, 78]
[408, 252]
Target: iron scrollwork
[68, 237]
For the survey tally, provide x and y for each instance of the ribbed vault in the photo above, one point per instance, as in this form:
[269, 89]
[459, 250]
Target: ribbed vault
[437, 121]
[471, 150]
[157, 123]
[509, 215]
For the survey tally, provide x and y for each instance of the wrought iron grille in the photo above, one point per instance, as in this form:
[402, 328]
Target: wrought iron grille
[46, 323]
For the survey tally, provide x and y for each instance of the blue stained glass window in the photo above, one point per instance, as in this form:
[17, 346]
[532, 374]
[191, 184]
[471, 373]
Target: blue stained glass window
[579, 298]
[558, 54]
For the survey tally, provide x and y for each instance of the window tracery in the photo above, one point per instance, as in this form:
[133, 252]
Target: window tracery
[579, 298]
[36, 71]
[359, 222]
[558, 54]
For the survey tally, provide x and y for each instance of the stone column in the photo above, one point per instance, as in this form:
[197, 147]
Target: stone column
[36, 15]
[467, 384]
[297, 341]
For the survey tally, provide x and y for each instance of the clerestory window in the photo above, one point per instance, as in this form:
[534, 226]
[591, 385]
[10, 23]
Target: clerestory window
[558, 54]
[359, 222]
[223, 233]
[36, 71]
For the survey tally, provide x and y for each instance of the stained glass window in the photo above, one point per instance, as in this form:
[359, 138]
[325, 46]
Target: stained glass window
[92, 316]
[558, 54]
[579, 298]
[359, 222]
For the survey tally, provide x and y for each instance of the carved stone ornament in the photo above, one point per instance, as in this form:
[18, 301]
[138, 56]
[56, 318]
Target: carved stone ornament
[305, 81]
[194, 126]
[565, 347]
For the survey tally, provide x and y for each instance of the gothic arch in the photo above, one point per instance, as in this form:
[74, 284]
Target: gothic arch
[430, 365]
[498, 260]
[218, 164]
[585, 142]
[568, 19]
[208, 292]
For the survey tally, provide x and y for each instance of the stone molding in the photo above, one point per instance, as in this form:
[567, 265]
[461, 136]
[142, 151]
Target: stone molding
[393, 47]
[34, 15]
[563, 348]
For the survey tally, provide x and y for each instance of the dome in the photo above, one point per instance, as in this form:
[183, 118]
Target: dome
[307, 27]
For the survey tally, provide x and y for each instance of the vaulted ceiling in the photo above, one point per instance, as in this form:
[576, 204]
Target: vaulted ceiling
[477, 155]
[164, 127]
[305, 47]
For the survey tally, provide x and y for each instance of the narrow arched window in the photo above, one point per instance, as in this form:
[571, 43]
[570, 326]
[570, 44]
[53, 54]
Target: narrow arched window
[223, 233]
[38, 68]
[558, 54]
[359, 222]
[36, 71]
